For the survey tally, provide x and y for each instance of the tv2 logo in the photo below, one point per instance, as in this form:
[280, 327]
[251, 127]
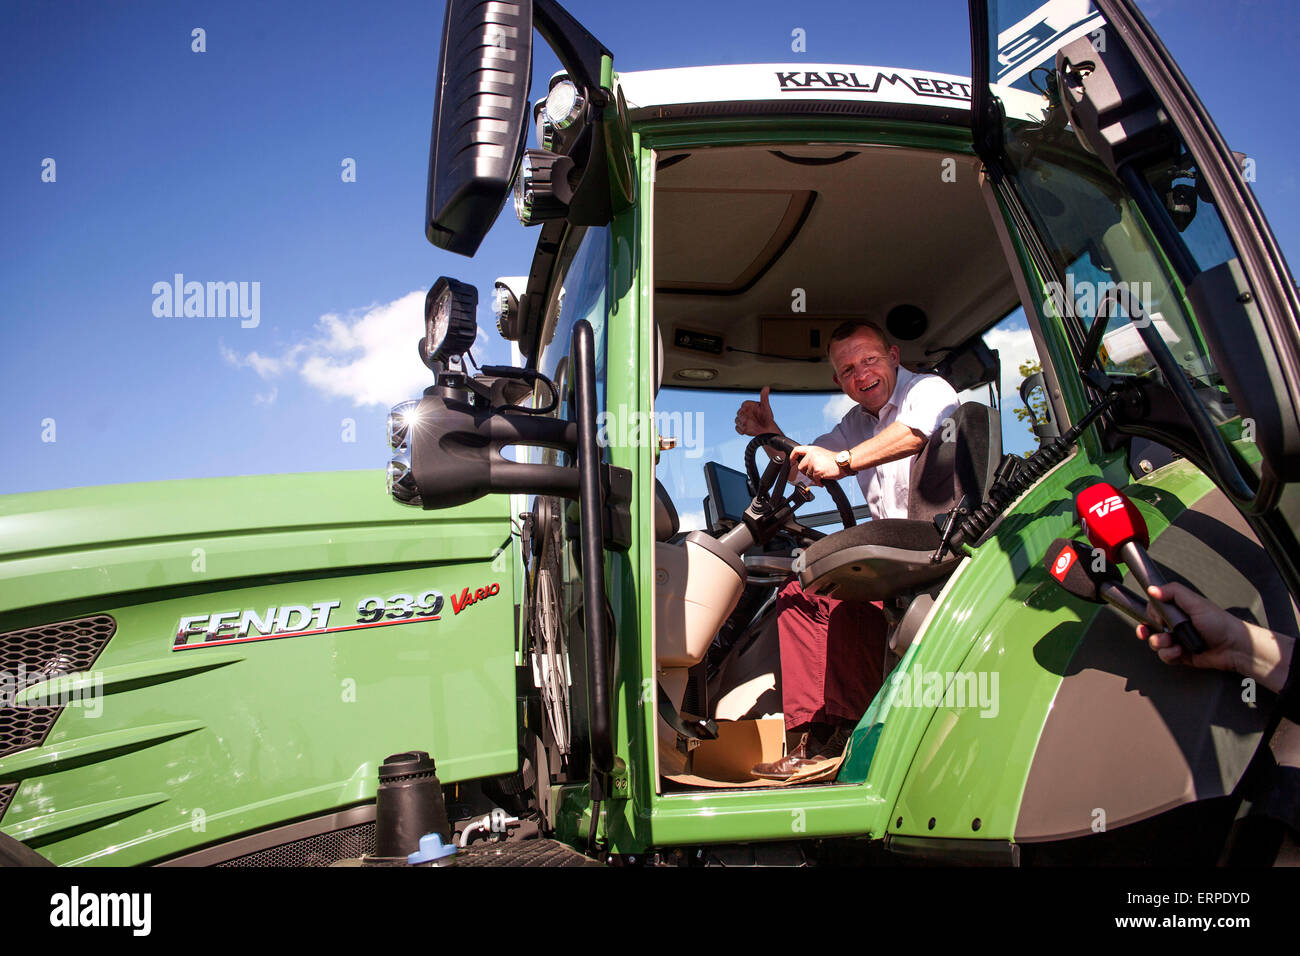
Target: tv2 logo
[1106, 506]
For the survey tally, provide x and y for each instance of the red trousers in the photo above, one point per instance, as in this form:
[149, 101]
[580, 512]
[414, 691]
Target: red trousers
[832, 655]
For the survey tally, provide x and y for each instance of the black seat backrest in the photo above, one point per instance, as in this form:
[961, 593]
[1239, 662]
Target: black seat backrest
[666, 521]
[962, 465]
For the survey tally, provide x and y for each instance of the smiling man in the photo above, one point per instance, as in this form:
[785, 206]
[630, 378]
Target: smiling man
[832, 652]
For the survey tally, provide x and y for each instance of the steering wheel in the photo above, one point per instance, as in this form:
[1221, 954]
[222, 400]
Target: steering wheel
[773, 492]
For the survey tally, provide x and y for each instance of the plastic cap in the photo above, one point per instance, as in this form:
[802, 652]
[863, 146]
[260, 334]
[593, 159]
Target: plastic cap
[431, 848]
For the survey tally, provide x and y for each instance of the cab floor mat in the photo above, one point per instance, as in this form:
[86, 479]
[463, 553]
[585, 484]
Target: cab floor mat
[823, 771]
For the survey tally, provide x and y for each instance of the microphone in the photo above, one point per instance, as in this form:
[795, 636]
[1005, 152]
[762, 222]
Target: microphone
[1114, 524]
[1070, 563]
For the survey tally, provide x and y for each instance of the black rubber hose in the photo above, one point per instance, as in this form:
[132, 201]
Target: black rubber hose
[524, 375]
[1001, 494]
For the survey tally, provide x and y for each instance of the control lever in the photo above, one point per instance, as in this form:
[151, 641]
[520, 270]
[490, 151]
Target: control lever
[1114, 524]
[775, 470]
[951, 525]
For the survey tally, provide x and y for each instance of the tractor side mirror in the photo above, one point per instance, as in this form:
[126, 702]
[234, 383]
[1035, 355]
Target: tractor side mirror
[1042, 419]
[480, 119]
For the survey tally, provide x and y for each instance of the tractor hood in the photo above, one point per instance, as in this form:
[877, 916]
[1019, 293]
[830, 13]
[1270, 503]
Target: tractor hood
[190, 662]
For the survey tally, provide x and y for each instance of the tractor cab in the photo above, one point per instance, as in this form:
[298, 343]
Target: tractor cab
[1063, 233]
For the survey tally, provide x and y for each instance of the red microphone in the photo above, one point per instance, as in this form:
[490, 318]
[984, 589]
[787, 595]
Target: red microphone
[1114, 525]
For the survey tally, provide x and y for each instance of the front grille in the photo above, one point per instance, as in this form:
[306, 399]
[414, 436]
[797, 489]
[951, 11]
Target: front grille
[33, 654]
[23, 727]
[320, 850]
[7, 791]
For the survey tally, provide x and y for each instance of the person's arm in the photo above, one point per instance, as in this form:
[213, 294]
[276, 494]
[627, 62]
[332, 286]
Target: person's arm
[1231, 643]
[896, 440]
[1290, 691]
[893, 442]
[928, 403]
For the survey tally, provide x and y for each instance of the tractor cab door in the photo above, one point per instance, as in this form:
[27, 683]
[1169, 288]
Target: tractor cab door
[1156, 264]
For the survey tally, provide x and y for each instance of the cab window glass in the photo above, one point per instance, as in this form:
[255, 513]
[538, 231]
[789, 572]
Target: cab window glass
[1089, 224]
[579, 292]
[1108, 259]
[1018, 359]
[1189, 208]
[702, 421]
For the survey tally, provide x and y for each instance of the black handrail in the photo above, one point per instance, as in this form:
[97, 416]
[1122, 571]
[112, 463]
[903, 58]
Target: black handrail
[591, 507]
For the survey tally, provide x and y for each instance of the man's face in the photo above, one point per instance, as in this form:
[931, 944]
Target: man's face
[865, 369]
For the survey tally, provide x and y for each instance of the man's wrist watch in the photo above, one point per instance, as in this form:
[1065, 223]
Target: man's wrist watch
[842, 459]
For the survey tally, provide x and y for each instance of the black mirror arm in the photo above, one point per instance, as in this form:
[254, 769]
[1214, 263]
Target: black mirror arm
[579, 52]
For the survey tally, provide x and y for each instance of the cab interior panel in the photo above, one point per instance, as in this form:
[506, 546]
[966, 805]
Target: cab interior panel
[751, 238]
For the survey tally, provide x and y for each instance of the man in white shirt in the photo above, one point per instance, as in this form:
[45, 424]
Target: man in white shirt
[832, 652]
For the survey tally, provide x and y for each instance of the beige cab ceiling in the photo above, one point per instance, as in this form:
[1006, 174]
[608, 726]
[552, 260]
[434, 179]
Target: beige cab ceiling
[859, 229]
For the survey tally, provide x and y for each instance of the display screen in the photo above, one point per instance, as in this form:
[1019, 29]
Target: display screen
[728, 490]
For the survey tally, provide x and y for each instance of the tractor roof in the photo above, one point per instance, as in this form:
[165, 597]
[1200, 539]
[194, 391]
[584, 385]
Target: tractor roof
[648, 90]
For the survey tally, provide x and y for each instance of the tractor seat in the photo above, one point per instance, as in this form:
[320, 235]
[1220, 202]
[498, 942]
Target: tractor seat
[667, 523]
[890, 556]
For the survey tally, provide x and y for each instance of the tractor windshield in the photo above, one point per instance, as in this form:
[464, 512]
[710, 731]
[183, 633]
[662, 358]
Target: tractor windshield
[701, 422]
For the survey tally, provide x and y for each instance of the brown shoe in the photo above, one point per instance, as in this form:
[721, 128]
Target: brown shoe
[794, 761]
[835, 743]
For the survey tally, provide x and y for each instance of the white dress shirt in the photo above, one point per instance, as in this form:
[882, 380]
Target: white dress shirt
[920, 401]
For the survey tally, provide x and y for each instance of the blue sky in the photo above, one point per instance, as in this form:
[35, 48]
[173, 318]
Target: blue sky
[225, 166]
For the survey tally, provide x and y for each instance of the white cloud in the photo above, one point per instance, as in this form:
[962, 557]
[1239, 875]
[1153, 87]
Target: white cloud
[1014, 346]
[836, 407]
[266, 398]
[263, 365]
[368, 358]
[690, 521]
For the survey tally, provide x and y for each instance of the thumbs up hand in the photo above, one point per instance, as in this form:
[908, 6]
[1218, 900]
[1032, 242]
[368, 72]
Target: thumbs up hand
[755, 418]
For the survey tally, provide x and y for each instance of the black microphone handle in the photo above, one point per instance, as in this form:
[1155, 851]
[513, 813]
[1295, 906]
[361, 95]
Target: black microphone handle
[1124, 601]
[1144, 569]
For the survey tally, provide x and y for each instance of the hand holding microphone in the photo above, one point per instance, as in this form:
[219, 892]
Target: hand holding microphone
[1234, 644]
[1114, 525]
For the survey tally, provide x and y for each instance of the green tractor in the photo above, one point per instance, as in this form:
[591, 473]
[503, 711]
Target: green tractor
[566, 597]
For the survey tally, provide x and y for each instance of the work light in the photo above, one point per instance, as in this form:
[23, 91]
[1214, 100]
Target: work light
[505, 306]
[400, 419]
[401, 481]
[541, 187]
[449, 324]
[545, 129]
[564, 105]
